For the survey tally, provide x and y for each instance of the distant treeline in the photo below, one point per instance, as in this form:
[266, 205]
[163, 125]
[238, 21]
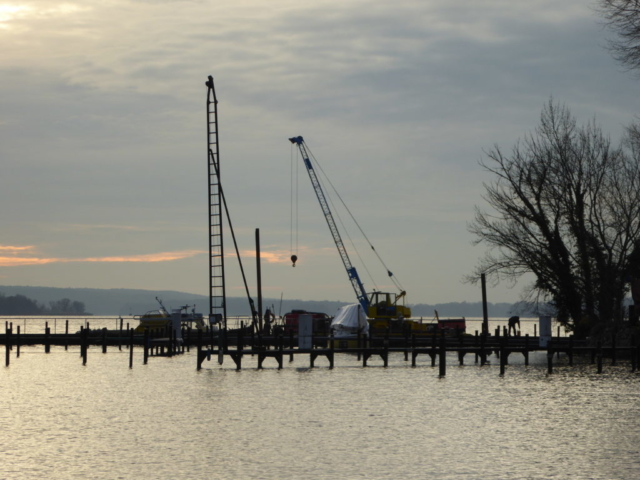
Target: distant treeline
[21, 305]
[136, 302]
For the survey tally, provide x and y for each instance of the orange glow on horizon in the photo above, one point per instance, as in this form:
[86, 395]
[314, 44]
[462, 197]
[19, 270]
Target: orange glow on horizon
[15, 261]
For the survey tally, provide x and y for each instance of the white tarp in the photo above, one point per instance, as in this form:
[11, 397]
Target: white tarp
[350, 320]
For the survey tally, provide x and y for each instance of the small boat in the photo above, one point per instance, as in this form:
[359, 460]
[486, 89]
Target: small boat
[161, 318]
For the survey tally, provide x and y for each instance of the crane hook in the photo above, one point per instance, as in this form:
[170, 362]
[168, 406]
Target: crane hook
[294, 259]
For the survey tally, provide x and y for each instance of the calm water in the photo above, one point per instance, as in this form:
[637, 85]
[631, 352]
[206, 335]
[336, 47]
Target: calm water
[166, 420]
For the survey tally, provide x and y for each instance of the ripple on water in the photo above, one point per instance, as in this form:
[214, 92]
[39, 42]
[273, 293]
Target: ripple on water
[167, 420]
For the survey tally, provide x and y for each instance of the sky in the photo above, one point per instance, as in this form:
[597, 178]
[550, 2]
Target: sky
[103, 141]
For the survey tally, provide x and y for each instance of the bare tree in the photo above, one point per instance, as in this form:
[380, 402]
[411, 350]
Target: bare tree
[566, 207]
[623, 17]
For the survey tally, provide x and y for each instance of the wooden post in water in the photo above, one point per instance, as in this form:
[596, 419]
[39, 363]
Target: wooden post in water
[443, 355]
[131, 348]
[331, 350]
[485, 315]
[7, 345]
[104, 340]
[120, 336]
[199, 355]
[549, 359]
[503, 355]
[66, 335]
[475, 344]
[47, 340]
[570, 350]
[526, 350]
[146, 340]
[18, 341]
[291, 343]
[83, 344]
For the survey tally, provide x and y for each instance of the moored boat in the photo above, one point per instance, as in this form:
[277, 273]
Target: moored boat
[161, 318]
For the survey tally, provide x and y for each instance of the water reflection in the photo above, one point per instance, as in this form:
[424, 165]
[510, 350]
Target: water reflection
[167, 420]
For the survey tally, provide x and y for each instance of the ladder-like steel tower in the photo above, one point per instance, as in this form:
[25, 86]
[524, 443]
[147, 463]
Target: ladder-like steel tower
[217, 292]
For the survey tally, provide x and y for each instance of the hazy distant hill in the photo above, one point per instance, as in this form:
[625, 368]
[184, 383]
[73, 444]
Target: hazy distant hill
[122, 301]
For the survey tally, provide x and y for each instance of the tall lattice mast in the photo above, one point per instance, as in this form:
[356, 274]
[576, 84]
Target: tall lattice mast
[217, 293]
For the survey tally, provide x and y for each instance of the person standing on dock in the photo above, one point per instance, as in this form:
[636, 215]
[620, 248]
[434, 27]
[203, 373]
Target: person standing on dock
[513, 321]
[268, 318]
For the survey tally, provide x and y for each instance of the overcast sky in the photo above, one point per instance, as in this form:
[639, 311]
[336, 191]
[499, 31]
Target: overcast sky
[103, 133]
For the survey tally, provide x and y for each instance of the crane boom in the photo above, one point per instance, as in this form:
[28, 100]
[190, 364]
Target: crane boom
[354, 278]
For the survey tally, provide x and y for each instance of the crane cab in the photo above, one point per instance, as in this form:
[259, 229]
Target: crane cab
[385, 305]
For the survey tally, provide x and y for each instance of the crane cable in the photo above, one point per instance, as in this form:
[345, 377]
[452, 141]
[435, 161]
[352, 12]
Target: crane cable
[389, 273]
[337, 214]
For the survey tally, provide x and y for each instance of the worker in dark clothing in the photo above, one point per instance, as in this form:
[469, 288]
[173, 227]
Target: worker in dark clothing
[513, 321]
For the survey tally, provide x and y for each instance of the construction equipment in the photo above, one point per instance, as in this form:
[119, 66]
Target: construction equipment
[378, 305]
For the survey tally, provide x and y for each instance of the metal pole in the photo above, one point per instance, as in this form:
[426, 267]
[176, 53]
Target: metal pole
[485, 315]
[259, 279]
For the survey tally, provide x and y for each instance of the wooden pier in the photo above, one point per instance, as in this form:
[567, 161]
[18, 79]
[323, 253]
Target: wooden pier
[235, 345]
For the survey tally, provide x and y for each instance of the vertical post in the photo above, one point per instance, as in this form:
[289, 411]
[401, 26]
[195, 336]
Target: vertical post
[259, 273]
[47, 340]
[549, 358]
[485, 314]
[475, 344]
[66, 335]
[18, 341]
[443, 355]
[526, 350]
[120, 336]
[104, 340]
[503, 355]
[413, 350]
[291, 343]
[7, 345]
[131, 348]
[84, 340]
[146, 340]
[199, 351]
[570, 350]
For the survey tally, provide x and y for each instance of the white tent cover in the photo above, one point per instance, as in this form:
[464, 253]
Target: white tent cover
[350, 320]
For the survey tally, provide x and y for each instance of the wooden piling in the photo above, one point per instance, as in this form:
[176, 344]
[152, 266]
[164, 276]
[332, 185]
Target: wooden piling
[17, 341]
[7, 345]
[83, 344]
[443, 355]
[503, 355]
[120, 336]
[291, 344]
[66, 335]
[131, 348]
[104, 340]
[47, 338]
[570, 350]
[146, 341]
